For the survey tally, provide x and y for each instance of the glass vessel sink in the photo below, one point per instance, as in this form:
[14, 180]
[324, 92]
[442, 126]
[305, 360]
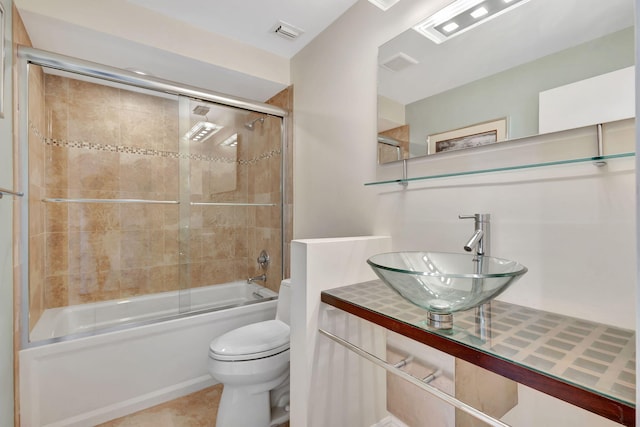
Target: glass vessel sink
[444, 283]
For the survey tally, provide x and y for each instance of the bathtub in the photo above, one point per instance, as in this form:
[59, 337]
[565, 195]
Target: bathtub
[85, 378]
[83, 319]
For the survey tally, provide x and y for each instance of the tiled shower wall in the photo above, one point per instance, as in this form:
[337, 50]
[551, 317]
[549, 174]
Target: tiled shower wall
[93, 141]
[103, 142]
[36, 190]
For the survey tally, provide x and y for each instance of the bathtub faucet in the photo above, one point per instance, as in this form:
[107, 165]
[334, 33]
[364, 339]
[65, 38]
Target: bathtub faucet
[261, 278]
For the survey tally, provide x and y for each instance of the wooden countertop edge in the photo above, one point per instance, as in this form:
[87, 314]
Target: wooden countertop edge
[606, 407]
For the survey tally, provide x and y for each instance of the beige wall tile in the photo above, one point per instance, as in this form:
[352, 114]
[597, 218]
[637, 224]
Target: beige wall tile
[56, 255]
[82, 287]
[90, 122]
[56, 292]
[134, 281]
[56, 167]
[134, 249]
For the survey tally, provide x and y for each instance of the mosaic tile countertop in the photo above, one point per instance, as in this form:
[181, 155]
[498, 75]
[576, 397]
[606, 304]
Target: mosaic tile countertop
[595, 357]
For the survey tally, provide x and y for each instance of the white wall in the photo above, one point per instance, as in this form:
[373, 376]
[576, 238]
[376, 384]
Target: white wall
[334, 81]
[321, 395]
[605, 97]
[6, 259]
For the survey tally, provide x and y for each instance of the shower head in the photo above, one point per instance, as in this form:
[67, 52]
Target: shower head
[250, 125]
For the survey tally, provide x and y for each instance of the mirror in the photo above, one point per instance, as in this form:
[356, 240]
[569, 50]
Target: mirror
[485, 85]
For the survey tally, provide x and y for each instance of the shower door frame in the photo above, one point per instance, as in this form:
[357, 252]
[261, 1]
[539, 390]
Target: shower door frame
[26, 57]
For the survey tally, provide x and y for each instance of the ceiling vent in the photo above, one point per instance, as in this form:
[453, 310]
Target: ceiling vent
[398, 62]
[287, 31]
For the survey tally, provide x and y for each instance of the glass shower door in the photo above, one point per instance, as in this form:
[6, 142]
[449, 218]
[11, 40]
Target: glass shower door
[103, 204]
[231, 203]
[142, 205]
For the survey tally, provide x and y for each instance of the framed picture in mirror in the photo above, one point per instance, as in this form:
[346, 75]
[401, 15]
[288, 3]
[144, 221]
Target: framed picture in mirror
[468, 137]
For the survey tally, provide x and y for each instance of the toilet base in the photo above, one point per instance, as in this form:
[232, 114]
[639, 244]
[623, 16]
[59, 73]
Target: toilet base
[241, 406]
[279, 415]
[279, 398]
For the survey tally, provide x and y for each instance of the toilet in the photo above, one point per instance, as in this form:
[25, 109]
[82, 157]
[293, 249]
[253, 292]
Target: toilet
[252, 362]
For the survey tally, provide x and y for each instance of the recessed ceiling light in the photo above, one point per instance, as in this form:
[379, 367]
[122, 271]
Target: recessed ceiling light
[451, 26]
[383, 4]
[467, 14]
[202, 131]
[232, 141]
[479, 12]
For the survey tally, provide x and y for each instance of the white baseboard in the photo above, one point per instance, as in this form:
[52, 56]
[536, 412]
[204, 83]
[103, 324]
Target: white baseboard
[390, 421]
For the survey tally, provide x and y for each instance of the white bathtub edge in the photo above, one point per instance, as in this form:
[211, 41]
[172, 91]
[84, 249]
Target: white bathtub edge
[139, 403]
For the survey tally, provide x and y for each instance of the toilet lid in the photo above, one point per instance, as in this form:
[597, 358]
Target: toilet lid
[253, 341]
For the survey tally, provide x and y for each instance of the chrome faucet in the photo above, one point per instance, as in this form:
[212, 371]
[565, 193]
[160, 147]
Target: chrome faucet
[260, 278]
[480, 239]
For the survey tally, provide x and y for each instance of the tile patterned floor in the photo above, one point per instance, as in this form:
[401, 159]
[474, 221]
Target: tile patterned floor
[194, 410]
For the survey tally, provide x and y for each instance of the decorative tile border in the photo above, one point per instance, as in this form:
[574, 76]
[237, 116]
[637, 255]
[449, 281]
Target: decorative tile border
[62, 143]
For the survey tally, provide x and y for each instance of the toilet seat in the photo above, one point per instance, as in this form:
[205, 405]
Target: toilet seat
[254, 341]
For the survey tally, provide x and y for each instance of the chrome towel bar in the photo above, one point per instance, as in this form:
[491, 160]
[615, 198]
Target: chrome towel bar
[156, 202]
[163, 202]
[417, 382]
[231, 204]
[4, 192]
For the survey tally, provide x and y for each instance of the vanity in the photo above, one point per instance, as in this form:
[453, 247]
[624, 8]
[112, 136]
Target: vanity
[583, 363]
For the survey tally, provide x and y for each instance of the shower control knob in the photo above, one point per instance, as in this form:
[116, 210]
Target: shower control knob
[263, 260]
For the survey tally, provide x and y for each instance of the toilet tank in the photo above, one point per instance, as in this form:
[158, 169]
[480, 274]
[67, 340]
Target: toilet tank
[283, 312]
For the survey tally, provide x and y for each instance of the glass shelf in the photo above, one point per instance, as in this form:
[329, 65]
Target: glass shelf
[506, 168]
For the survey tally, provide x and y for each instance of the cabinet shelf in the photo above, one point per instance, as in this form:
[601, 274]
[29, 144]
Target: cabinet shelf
[593, 159]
